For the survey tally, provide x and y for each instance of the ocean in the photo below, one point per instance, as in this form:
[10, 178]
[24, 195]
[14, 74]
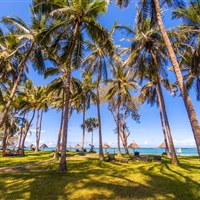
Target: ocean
[179, 151]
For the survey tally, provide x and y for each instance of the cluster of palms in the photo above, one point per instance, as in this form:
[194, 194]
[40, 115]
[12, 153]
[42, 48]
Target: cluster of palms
[57, 35]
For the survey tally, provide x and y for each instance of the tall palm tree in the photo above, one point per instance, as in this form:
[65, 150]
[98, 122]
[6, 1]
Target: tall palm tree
[152, 8]
[85, 98]
[77, 16]
[96, 62]
[147, 55]
[190, 52]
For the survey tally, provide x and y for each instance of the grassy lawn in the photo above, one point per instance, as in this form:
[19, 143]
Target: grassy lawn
[88, 178]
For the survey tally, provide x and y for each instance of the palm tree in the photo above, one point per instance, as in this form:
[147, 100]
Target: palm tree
[96, 62]
[152, 8]
[77, 16]
[120, 87]
[42, 101]
[91, 124]
[28, 43]
[83, 100]
[147, 54]
[190, 51]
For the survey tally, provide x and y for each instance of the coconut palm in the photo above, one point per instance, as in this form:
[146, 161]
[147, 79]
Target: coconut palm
[147, 55]
[91, 124]
[28, 45]
[83, 100]
[120, 88]
[77, 16]
[97, 62]
[191, 51]
[152, 8]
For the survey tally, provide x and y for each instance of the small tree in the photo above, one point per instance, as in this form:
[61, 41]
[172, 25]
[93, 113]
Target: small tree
[91, 124]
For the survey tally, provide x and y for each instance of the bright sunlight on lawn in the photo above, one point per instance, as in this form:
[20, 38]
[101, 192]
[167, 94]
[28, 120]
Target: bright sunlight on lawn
[89, 178]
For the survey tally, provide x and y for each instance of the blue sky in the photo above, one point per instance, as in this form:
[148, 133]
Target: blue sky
[148, 132]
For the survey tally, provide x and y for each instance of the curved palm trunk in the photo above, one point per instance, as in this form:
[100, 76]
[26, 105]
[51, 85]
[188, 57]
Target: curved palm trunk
[101, 156]
[164, 132]
[27, 127]
[60, 130]
[21, 67]
[83, 137]
[162, 105]
[63, 165]
[186, 98]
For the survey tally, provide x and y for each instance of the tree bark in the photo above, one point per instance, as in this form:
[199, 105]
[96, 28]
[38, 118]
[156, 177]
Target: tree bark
[4, 140]
[83, 137]
[27, 127]
[186, 98]
[101, 156]
[21, 132]
[21, 67]
[164, 132]
[162, 105]
[61, 128]
[118, 125]
[63, 165]
[37, 131]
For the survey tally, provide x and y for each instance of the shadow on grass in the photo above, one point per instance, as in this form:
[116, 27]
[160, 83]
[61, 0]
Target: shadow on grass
[93, 179]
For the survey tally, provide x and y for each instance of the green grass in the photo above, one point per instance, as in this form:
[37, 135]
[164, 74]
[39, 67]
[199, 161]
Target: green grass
[89, 178]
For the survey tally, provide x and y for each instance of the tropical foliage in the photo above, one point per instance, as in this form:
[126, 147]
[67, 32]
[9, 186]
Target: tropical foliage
[67, 43]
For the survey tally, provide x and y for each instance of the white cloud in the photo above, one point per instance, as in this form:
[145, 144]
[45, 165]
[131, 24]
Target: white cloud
[184, 142]
[34, 131]
[146, 142]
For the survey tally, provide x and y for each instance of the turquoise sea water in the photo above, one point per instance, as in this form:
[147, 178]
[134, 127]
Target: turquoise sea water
[184, 151]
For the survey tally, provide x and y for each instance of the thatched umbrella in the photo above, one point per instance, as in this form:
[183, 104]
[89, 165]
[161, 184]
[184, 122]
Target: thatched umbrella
[43, 146]
[134, 146]
[31, 146]
[106, 146]
[78, 146]
[162, 145]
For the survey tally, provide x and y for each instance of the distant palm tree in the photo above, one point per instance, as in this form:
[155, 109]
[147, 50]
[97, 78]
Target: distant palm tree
[91, 124]
[84, 99]
[97, 62]
[120, 88]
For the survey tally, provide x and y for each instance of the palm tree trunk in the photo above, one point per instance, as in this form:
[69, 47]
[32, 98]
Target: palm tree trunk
[21, 67]
[162, 105]
[61, 128]
[101, 156]
[21, 132]
[27, 127]
[83, 137]
[40, 127]
[186, 98]
[63, 165]
[118, 127]
[164, 132]
[4, 143]
[37, 131]
[92, 143]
